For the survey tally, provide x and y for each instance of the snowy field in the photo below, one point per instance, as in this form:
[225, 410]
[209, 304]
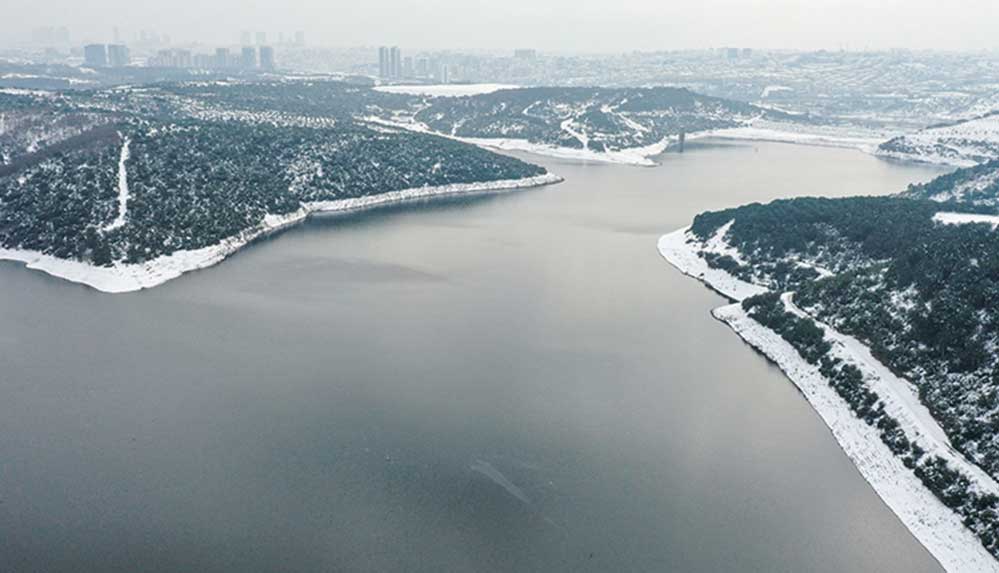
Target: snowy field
[934, 525]
[122, 278]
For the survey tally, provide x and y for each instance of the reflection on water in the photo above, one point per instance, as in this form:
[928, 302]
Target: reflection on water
[509, 383]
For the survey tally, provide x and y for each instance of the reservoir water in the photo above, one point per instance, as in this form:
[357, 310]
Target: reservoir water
[507, 383]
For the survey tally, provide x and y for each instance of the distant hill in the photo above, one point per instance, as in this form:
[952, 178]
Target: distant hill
[963, 143]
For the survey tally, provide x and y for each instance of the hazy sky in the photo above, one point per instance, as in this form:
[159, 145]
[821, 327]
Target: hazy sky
[554, 25]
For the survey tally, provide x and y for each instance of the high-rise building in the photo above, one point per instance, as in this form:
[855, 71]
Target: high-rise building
[395, 58]
[266, 58]
[95, 55]
[248, 58]
[300, 38]
[443, 75]
[525, 54]
[183, 58]
[204, 61]
[384, 64]
[118, 56]
[407, 67]
[261, 38]
[245, 38]
[222, 58]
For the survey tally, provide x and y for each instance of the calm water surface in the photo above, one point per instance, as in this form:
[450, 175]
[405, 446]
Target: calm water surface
[513, 383]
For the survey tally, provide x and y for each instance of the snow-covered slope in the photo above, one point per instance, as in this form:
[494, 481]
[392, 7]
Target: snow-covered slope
[964, 143]
[124, 277]
[937, 527]
[623, 125]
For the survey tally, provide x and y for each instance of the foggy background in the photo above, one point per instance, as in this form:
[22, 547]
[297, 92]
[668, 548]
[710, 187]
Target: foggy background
[553, 25]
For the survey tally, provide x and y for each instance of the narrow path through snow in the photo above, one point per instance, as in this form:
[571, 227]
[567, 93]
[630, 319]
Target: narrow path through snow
[119, 221]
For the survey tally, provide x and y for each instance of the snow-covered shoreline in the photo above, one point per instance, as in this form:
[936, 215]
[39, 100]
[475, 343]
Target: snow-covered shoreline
[639, 156]
[122, 278]
[814, 139]
[934, 525]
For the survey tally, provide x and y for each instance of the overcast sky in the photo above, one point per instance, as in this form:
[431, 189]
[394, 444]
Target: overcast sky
[552, 25]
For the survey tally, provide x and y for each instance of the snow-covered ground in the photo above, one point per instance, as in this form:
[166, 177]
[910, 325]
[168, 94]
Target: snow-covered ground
[966, 218]
[900, 399]
[801, 134]
[445, 90]
[122, 277]
[123, 194]
[934, 525]
[640, 156]
[751, 133]
[962, 144]
[682, 249]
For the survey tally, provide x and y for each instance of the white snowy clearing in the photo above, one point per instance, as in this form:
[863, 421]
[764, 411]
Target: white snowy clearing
[966, 218]
[122, 277]
[445, 90]
[934, 525]
[123, 195]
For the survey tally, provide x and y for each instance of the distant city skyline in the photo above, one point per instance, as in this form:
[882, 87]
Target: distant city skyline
[552, 25]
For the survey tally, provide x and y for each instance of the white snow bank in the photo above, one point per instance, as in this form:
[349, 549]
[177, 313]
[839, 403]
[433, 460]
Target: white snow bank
[900, 399]
[640, 156]
[864, 143]
[966, 218]
[132, 277]
[681, 249]
[932, 523]
[445, 90]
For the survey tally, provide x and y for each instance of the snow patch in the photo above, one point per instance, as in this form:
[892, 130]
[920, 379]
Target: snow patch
[966, 218]
[123, 194]
[682, 250]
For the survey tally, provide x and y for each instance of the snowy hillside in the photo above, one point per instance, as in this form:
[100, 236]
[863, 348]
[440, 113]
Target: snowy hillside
[894, 306]
[128, 177]
[964, 143]
[592, 122]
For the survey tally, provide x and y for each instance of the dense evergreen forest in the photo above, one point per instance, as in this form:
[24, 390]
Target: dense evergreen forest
[195, 177]
[923, 295]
